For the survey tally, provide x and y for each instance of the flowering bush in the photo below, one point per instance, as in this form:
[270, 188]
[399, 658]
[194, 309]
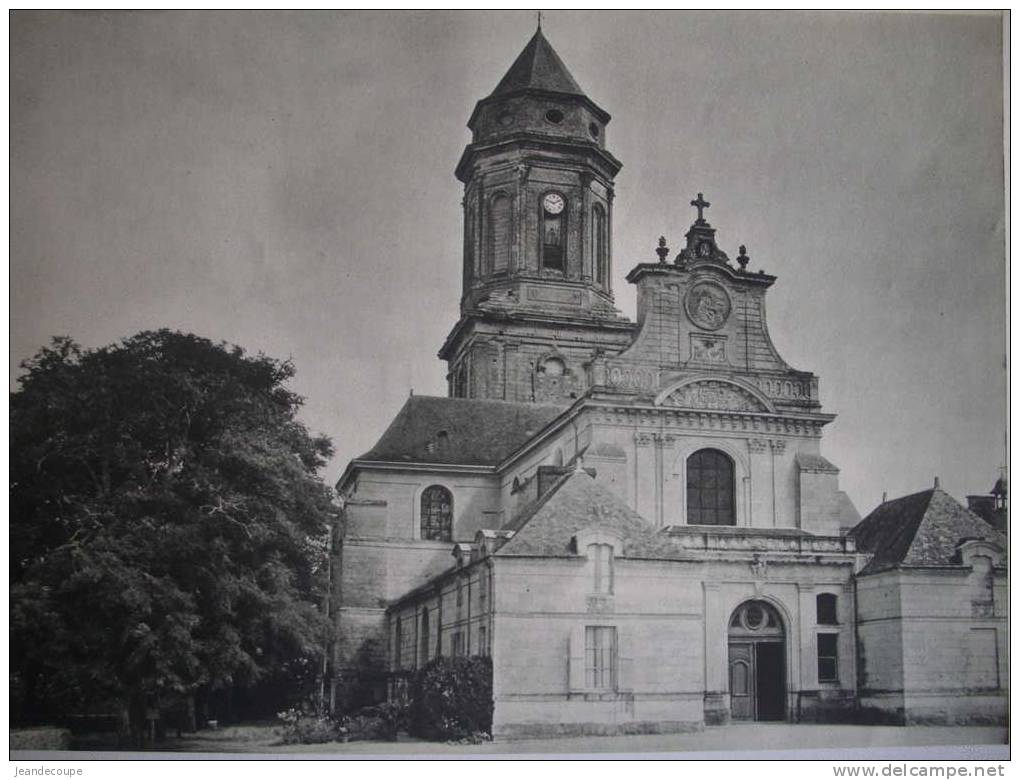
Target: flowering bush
[451, 699]
[307, 729]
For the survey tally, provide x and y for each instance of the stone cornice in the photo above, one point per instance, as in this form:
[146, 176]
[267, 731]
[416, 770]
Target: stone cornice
[623, 326]
[608, 411]
[384, 465]
[528, 141]
[668, 269]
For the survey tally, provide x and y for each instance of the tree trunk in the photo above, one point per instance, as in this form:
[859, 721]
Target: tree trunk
[189, 714]
[124, 724]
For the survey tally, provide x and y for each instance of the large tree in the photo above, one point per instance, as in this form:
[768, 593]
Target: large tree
[167, 524]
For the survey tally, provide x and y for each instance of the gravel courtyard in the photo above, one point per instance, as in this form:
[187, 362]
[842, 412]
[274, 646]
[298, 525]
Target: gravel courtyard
[733, 741]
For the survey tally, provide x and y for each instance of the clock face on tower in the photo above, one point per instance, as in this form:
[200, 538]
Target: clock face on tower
[553, 203]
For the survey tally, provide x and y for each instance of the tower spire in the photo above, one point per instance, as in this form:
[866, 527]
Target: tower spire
[539, 21]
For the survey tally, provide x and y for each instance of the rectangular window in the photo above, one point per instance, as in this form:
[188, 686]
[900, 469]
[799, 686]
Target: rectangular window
[482, 649]
[458, 644]
[828, 658]
[600, 658]
[483, 589]
[398, 642]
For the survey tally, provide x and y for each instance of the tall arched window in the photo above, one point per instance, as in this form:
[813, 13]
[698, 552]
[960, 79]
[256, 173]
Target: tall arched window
[436, 514]
[710, 489]
[599, 243]
[469, 245]
[554, 233]
[499, 233]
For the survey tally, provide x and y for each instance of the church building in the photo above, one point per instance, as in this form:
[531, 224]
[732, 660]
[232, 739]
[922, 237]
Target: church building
[634, 519]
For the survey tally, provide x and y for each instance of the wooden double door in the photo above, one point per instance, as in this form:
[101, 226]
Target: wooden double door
[757, 680]
[757, 665]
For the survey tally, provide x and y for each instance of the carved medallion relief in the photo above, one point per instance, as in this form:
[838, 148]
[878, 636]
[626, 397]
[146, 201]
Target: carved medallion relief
[708, 305]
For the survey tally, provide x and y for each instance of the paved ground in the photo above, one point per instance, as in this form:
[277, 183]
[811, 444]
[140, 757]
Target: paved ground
[811, 741]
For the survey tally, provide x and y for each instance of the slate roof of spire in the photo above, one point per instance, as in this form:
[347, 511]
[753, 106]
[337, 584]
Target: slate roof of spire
[538, 67]
[923, 529]
[468, 431]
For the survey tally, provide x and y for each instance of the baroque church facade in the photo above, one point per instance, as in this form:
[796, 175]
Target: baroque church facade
[635, 520]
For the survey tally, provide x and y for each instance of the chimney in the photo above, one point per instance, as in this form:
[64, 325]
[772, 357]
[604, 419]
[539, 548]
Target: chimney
[937, 486]
[885, 496]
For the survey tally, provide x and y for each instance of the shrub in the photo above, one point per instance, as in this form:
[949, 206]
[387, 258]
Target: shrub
[377, 722]
[451, 699]
[305, 729]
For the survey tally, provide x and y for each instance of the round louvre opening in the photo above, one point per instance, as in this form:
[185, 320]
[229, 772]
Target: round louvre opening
[594, 130]
[554, 115]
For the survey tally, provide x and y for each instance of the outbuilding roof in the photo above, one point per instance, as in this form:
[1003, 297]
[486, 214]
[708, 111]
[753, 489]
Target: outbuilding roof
[922, 529]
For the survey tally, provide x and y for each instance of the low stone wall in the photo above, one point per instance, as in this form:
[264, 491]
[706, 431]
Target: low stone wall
[955, 710]
[551, 730]
[826, 706]
[556, 716]
[936, 709]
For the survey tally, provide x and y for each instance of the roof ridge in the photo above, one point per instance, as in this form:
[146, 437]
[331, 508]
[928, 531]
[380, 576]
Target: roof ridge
[503, 401]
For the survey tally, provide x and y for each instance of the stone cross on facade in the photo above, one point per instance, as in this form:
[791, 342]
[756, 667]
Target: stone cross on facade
[701, 204]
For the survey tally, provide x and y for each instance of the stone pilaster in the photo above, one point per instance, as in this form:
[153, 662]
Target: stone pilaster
[717, 700]
[645, 475]
[760, 504]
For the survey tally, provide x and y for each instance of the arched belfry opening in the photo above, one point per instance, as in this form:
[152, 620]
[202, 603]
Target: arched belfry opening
[757, 662]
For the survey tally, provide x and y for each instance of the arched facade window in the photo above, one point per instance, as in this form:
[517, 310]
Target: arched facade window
[437, 514]
[554, 232]
[711, 492]
[825, 607]
[500, 216]
[599, 244]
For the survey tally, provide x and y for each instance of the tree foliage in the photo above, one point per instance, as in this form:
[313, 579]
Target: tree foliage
[167, 524]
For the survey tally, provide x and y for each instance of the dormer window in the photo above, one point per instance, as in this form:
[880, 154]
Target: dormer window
[600, 557]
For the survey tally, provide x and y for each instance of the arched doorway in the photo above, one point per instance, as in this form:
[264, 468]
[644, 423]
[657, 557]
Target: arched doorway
[757, 666]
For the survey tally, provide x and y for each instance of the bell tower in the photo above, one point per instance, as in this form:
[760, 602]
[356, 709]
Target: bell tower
[537, 301]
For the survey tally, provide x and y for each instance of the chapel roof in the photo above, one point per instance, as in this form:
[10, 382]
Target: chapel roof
[463, 431]
[922, 529]
[539, 67]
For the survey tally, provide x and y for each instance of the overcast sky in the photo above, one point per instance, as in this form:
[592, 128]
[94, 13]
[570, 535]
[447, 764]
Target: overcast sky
[284, 181]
